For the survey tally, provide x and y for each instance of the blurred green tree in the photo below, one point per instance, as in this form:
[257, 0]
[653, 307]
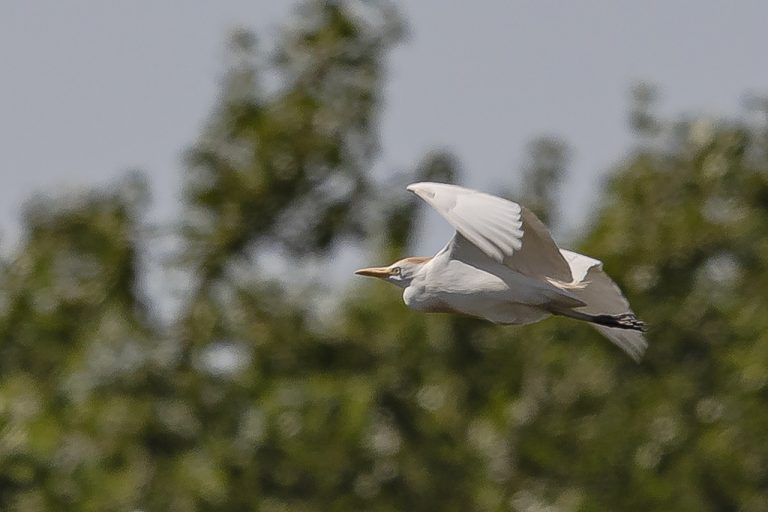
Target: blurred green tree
[246, 401]
[542, 174]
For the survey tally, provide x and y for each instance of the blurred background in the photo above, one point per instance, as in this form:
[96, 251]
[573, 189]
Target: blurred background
[187, 192]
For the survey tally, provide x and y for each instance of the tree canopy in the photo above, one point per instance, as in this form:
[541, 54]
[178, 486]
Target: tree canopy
[245, 400]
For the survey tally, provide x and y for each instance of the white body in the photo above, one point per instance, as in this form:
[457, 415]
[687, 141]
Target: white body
[479, 287]
[503, 266]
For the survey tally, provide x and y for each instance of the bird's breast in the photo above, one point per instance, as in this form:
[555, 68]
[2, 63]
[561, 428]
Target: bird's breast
[418, 297]
[485, 302]
[484, 292]
[445, 290]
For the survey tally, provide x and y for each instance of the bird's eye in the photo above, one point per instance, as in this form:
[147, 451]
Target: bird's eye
[396, 271]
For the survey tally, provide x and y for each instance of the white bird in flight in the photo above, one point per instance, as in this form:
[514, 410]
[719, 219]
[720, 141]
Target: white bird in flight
[503, 266]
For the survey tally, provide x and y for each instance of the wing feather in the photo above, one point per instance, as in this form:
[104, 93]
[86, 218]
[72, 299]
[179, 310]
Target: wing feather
[604, 297]
[503, 230]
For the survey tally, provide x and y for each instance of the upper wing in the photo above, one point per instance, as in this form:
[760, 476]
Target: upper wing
[505, 231]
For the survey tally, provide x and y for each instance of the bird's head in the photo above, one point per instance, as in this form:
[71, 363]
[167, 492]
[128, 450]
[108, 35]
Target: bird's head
[400, 273]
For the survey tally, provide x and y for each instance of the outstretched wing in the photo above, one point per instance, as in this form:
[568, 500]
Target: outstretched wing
[504, 231]
[603, 297]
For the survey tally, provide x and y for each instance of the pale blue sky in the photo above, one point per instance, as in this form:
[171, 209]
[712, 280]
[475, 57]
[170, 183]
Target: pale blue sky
[92, 88]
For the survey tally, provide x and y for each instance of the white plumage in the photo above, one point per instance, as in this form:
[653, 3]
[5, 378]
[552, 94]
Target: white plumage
[503, 266]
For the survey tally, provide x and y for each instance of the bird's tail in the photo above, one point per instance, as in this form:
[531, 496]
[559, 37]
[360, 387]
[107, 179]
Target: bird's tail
[605, 307]
[624, 330]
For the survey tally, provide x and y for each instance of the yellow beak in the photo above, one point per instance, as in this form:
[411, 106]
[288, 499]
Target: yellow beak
[380, 272]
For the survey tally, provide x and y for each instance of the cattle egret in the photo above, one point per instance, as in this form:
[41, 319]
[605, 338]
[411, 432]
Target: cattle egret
[503, 266]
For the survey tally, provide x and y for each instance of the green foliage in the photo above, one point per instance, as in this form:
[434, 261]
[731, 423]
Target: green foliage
[542, 175]
[290, 166]
[254, 397]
